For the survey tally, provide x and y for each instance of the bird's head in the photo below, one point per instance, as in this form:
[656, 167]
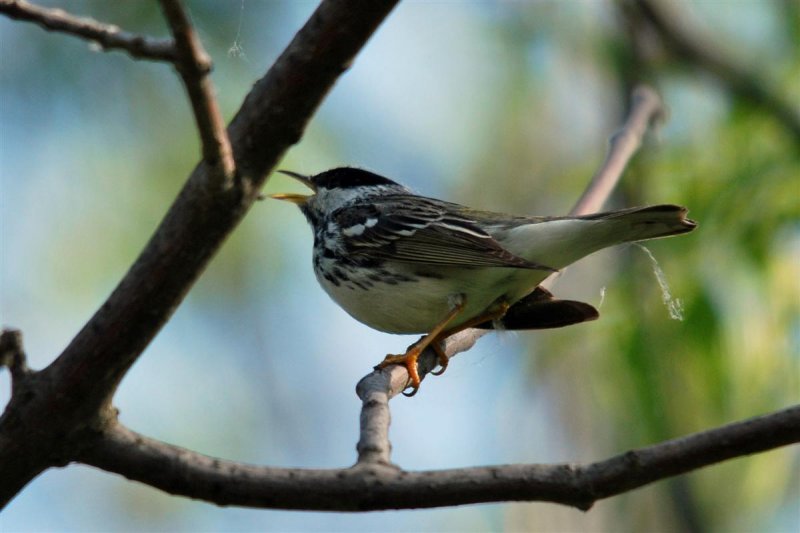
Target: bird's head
[337, 188]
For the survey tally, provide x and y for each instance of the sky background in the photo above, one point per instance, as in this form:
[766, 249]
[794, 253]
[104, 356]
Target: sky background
[504, 106]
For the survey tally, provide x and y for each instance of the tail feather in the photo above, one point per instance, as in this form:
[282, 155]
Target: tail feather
[650, 222]
[559, 241]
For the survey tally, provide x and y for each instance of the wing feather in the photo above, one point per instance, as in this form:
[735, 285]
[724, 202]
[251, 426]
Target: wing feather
[425, 231]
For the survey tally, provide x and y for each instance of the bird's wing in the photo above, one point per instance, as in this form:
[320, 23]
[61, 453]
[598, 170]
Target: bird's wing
[424, 231]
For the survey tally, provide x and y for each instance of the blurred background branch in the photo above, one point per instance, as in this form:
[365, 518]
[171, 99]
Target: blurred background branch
[678, 37]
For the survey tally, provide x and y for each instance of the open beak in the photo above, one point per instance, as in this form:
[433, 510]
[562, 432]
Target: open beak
[295, 198]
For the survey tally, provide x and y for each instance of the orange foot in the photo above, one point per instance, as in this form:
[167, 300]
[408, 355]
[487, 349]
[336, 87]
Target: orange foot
[433, 339]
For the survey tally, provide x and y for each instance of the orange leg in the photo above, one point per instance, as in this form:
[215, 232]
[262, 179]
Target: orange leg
[493, 313]
[438, 334]
[409, 359]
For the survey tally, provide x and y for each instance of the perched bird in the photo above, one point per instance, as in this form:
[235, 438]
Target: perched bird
[404, 263]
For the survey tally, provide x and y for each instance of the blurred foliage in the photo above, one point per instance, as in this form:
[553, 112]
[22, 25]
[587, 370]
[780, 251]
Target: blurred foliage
[109, 141]
[735, 354]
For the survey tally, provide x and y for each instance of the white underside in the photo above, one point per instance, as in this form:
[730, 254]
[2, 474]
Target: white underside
[417, 307]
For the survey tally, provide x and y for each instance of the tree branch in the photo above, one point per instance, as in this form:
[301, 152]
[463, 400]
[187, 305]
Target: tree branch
[645, 108]
[63, 414]
[270, 120]
[370, 486]
[378, 387]
[700, 53]
[108, 36]
[194, 66]
[73, 399]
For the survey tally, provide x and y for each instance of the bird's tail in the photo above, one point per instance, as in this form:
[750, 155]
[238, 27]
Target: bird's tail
[645, 223]
[557, 242]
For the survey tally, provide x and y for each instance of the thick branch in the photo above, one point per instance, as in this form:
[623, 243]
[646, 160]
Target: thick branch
[368, 487]
[108, 36]
[377, 388]
[194, 66]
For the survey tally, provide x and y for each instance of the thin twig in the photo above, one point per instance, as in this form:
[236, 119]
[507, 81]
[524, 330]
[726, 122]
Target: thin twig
[368, 487]
[194, 66]
[378, 387]
[12, 355]
[107, 36]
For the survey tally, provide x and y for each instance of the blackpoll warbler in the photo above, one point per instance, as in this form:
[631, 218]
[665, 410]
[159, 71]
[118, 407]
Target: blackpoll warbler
[404, 263]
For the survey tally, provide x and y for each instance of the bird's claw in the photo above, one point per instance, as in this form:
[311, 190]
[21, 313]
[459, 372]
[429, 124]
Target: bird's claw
[443, 360]
[414, 390]
[408, 360]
